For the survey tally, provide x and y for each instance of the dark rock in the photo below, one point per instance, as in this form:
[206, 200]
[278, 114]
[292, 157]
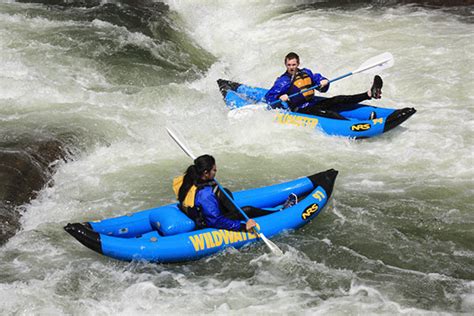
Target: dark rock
[440, 3]
[9, 221]
[24, 170]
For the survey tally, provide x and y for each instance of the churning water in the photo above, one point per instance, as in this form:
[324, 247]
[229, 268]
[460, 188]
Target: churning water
[107, 78]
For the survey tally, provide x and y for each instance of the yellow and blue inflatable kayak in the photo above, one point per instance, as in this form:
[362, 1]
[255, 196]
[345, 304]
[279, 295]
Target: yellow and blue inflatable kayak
[165, 234]
[352, 121]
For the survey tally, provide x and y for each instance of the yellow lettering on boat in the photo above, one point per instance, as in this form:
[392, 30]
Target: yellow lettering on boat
[198, 242]
[310, 210]
[209, 241]
[360, 127]
[378, 121]
[217, 235]
[318, 195]
[227, 236]
[237, 236]
[251, 236]
[291, 119]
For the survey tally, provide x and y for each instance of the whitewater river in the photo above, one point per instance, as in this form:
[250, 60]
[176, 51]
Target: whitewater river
[106, 79]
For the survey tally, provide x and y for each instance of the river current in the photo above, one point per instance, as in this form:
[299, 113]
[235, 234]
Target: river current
[105, 79]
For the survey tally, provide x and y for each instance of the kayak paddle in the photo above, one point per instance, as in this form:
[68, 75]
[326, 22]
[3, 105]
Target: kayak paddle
[274, 248]
[372, 65]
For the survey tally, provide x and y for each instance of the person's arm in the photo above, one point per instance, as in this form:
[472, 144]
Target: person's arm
[319, 80]
[280, 87]
[250, 224]
[207, 200]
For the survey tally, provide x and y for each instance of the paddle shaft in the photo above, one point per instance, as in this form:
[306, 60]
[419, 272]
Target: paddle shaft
[274, 248]
[193, 157]
[313, 87]
[386, 59]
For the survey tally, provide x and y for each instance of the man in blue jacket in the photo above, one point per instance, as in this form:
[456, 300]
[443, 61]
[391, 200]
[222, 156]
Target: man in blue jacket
[295, 80]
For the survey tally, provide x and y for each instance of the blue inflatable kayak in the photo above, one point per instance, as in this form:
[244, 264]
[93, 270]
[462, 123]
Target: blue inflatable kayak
[354, 123]
[165, 234]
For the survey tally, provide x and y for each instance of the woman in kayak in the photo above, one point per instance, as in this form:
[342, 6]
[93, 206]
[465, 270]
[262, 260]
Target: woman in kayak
[200, 199]
[295, 80]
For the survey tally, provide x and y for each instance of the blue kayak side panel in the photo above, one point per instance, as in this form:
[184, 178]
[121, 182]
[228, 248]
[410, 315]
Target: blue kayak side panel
[126, 226]
[274, 194]
[197, 244]
[356, 125]
[252, 93]
[138, 236]
[133, 224]
[235, 100]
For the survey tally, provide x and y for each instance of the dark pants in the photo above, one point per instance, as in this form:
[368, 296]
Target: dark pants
[229, 210]
[249, 210]
[334, 104]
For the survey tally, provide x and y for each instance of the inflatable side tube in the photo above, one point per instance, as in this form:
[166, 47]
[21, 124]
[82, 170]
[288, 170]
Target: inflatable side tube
[126, 226]
[170, 220]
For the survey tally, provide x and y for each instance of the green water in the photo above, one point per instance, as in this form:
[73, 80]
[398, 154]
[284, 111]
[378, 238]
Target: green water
[398, 235]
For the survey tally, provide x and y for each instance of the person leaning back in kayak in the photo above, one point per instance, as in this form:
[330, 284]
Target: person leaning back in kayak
[200, 199]
[295, 80]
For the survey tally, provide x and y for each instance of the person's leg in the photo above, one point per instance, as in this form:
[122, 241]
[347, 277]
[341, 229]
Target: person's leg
[249, 210]
[339, 102]
[315, 110]
[255, 212]
[376, 89]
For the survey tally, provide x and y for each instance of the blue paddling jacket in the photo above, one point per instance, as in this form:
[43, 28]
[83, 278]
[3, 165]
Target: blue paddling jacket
[202, 205]
[206, 201]
[285, 84]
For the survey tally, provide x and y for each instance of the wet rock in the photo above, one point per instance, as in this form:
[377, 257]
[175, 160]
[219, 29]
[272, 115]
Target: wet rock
[9, 221]
[441, 3]
[355, 4]
[24, 170]
[74, 3]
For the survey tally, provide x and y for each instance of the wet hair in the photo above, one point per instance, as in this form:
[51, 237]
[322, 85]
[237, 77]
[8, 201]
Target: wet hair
[194, 173]
[292, 55]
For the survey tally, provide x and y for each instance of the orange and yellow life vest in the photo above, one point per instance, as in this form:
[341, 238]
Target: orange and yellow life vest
[303, 81]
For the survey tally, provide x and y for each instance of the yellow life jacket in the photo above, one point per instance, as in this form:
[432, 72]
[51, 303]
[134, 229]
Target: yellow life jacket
[190, 196]
[303, 81]
[188, 207]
